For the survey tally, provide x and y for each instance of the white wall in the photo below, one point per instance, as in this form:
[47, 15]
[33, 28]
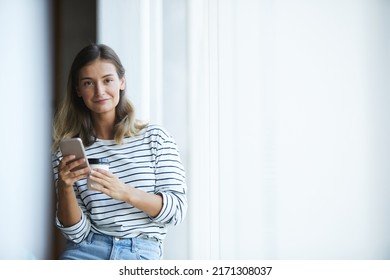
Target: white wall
[25, 200]
[288, 110]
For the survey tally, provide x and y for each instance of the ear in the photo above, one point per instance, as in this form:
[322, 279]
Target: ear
[123, 84]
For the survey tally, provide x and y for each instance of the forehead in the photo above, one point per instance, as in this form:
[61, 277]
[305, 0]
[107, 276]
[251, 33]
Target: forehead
[98, 68]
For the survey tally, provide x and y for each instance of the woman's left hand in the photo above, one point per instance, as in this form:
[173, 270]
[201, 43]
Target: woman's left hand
[150, 203]
[109, 184]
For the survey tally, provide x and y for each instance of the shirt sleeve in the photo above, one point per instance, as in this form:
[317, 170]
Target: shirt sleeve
[170, 183]
[79, 231]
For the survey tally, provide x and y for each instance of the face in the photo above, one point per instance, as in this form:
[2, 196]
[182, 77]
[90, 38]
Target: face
[99, 86]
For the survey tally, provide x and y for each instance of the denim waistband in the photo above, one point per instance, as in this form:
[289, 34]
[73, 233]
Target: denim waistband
[142, 236]
[104, 247]
[147, 237]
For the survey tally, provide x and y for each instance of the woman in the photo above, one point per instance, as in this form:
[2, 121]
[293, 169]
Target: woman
[126, 214]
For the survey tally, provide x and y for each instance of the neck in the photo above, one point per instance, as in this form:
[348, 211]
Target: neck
[104, 127]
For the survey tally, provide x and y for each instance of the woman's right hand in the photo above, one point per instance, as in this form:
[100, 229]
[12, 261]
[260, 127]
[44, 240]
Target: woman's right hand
[66, 177]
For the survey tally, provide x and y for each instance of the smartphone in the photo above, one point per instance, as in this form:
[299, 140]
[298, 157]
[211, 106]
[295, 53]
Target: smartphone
[74, 146]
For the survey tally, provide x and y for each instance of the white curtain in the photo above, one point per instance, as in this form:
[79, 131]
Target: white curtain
[288, 128]
[279, 109]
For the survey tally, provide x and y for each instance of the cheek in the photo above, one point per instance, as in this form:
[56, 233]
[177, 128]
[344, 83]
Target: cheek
[116, 99]
[87, 98]
[85, 94]
[115, 94]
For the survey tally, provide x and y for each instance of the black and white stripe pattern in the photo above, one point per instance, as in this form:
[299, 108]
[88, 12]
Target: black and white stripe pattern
[149, 162]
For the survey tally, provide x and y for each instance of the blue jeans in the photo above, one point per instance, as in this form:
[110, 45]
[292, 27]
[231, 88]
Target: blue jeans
[103, 247]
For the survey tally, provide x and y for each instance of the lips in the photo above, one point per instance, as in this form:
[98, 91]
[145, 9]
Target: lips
[100, 100]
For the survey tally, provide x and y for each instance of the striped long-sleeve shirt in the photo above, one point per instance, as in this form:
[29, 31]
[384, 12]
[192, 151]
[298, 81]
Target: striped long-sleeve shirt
[149, 162]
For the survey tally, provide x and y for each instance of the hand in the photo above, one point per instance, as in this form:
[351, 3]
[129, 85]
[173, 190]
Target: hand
[66, 177]
[150, 203]
[109, 184]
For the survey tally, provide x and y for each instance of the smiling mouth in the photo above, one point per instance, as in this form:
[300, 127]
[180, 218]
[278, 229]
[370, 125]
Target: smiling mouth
[100, 101]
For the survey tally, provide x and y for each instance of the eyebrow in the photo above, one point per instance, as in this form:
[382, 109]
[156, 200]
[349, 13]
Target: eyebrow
[88, 78]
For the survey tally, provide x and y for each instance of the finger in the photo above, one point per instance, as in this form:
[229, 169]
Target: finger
[64, 161]
[81, 172]
[79, 177]
[77, 164]
[101, 189]
[98, 174]
[104, 172]
[74, 175]
[99, 178]
[97, 187]
[64, 173]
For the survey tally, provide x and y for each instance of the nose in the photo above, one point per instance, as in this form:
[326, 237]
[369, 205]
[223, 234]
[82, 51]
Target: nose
[99, 89]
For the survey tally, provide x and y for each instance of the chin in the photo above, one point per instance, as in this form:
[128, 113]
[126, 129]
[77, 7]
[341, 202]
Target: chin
[102, 110]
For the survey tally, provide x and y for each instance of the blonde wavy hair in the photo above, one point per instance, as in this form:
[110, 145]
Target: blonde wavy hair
[73, 118]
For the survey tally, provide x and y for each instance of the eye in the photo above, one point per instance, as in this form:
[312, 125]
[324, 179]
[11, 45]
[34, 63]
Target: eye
[87, 83]
[109, 80]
